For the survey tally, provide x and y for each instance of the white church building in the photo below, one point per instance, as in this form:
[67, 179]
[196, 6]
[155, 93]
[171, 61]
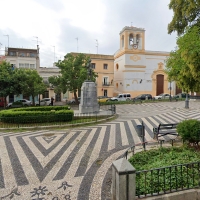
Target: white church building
[137, 71]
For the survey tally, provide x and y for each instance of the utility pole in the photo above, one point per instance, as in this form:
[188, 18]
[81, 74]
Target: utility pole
[97, 45]
[8, 39]
[36, 39]
[77, 43]
[54, 53]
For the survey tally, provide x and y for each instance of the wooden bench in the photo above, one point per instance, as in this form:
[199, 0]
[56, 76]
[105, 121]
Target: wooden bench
[165, 130]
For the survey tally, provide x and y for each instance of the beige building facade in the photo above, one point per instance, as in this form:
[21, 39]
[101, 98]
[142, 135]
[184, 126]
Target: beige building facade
[103, 65]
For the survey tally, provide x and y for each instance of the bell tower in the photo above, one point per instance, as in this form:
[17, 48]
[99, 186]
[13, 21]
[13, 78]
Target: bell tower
[132, 39]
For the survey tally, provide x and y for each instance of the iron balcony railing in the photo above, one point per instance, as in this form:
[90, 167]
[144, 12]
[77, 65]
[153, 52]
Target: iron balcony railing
[106, 83]
[167, 179]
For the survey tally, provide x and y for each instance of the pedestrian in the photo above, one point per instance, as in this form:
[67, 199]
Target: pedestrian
[52, 99]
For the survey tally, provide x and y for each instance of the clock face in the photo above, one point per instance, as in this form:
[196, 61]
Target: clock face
[135, 46]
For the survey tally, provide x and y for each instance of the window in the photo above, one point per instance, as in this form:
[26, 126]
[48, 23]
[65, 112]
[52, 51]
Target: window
[32, 66]
[22, 54]
[105, 81]
[21, 65]
[32, 55]
[26, 65]
[12, 53]
[105, 93]
[105, 66]
[93, 65]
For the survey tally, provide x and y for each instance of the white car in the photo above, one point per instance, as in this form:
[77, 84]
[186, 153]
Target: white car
[44, 102]
[73, 100]
[122, 97]
[19, 103]
[162, 96]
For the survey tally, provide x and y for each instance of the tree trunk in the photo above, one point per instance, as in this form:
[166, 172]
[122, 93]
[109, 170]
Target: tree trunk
[75, 97]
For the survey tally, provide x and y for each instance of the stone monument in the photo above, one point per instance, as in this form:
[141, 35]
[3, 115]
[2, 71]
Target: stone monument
[89, 102]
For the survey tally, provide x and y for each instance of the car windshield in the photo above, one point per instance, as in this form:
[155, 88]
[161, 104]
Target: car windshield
[161, 94]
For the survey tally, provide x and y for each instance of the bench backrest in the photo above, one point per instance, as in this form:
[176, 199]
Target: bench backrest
[167, 126]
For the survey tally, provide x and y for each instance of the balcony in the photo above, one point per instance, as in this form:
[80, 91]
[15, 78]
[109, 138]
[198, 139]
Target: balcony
[107, 83]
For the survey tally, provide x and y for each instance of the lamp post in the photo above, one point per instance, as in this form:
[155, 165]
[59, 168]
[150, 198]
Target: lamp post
[8, 39]
[186, 101]
[170, 90]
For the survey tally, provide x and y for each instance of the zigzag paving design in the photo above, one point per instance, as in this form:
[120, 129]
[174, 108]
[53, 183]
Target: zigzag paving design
[75, 164]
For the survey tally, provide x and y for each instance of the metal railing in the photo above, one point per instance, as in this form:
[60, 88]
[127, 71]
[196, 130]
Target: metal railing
[106, 83]
[167, 179]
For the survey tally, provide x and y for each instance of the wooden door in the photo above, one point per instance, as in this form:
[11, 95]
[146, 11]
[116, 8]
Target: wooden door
[160, 84]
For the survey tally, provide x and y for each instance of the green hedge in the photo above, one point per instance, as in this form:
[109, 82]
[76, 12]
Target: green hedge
[166, 178]
[34, 115]
[42, 108]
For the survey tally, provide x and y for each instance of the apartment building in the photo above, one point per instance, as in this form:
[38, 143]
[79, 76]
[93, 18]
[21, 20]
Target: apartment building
[23, 58]
[103, 65]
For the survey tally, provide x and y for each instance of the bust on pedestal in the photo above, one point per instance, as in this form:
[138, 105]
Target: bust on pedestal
[89, 102]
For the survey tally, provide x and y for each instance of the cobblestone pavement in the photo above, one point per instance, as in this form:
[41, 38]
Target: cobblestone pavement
[75, 163]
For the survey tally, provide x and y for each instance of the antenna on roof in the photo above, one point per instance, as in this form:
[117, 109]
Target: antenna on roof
[77, 43]
[97, 45]
[36, 39]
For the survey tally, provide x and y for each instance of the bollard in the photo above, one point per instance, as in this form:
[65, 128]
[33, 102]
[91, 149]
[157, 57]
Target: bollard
[123, 180]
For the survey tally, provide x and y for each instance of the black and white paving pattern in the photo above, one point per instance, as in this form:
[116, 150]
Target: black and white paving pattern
[74, 163]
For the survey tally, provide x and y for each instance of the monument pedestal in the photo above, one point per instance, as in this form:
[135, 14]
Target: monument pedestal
[88, 102]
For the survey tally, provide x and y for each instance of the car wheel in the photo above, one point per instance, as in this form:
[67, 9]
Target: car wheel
[115, 100]
[127, 99]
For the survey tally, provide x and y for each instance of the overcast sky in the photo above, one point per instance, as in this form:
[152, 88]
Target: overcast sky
[57, 24]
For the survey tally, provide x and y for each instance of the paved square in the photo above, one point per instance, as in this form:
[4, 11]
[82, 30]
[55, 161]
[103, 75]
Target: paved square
[75, 163]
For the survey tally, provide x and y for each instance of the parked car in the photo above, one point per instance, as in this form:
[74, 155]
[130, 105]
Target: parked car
[181, 95]
[44, 102]
[19, 103]
[162, 96]
[73, 100]
[122, 97]
[143, 97]
[103, 99]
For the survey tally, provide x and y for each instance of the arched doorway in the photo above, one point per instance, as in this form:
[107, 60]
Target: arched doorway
[159, 84]
[159, 80]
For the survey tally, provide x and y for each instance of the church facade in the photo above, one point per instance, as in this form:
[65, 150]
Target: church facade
[137, 71]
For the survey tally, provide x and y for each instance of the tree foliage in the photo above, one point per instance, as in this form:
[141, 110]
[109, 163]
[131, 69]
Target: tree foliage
[20, 81]
[9, 80]
[186, 14]
[73, 73]
[183, 65]
[32, 84]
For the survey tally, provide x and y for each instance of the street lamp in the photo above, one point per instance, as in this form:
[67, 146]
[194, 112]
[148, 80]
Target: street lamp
[170, 90]
[186, 101]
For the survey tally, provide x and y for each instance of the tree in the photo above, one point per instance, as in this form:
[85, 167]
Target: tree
[73, 73]
[186, 14]
[183, 64]
[8, 81]
[32, 84]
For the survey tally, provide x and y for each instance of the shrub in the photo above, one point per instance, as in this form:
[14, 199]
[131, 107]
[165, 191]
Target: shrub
[36, 116]
[166, 169]
[189, 130]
